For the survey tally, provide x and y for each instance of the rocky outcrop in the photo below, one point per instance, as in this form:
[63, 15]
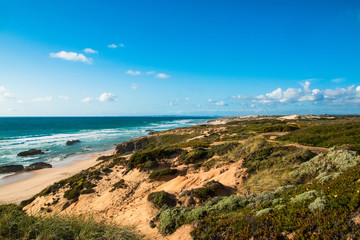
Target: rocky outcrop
[11, 168]
[131, 146]
[71, 142]
[38, 165]
[30, 152]
[150, 131]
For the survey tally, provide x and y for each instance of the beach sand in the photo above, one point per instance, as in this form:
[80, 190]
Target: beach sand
[22, 186]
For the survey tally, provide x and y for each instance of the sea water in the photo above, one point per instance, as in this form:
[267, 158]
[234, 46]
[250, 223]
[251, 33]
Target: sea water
[96, 134]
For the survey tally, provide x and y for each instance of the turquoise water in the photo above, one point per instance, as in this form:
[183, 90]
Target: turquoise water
[96, 134]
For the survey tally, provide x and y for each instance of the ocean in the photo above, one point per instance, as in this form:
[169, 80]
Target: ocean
[96, 134]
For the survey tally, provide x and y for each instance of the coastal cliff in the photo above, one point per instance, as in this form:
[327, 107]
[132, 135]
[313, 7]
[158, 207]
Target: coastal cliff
[261, 176]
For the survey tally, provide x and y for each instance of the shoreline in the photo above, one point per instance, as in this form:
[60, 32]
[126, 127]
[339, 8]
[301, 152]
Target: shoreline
[22, 186]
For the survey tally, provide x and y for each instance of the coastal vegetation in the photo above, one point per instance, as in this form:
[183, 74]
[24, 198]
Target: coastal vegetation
[266, 178]
[17, 224]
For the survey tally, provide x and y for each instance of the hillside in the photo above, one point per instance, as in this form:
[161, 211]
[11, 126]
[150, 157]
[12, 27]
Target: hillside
[294, 177]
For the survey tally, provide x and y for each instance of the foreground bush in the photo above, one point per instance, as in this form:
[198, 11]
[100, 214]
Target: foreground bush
[16, 224]
[299, 213]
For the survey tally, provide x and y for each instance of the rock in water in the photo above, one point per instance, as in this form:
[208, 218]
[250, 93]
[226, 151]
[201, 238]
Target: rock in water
[38, 165]
[30, 152]
[71, 142]
[11, 168]
[150, 131]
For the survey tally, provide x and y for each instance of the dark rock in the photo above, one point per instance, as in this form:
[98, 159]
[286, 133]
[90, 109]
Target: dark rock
[30, 152]
[38, 165]
[131, 146]
[11, 168]
[71, 142]
[150, 131]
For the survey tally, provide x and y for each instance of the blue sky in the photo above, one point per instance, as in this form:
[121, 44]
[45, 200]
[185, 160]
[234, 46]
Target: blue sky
[121, 58]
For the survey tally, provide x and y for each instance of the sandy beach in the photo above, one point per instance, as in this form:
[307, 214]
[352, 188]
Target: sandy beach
[25, 185]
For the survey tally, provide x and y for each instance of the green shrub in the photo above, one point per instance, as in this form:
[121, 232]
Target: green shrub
[139, 158]
[280, 128]
[264, 211]
[72, 193]
[204, 193]
[160, 199]
[223, 149]
[163, 172]
[318, 205]
[304, 196]
[193, 156]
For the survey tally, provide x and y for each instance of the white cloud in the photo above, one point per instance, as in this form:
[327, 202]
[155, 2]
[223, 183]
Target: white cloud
[210, 100]
[187, 99]
[42, 99]
[87, 99]
[162, 76]
[4, 94]
[134, 86]
[20, 101]
[240, 97]
[347, 95]
[115, 45]
[338, 80]
[112, 46]
[150, 73]
[133, 72]
[64, 97]
[107, 97]
[171, 104]
[276, 94]
[220, 103]
[89, 50]
[71, 56]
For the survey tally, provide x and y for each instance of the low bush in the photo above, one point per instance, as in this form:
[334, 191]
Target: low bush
[194, 156]
[280, 128]
[223, 149]
[139, 158]
[276, 156]
[163, 172]
[161, 199]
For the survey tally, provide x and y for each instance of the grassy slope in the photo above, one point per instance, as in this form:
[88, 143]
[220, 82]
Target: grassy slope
[16, 224]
